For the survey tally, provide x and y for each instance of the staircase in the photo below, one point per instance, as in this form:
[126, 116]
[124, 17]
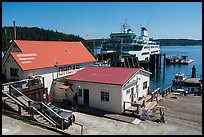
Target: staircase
[15, 101]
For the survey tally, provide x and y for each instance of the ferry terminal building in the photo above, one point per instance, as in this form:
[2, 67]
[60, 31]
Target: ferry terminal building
[49, 59]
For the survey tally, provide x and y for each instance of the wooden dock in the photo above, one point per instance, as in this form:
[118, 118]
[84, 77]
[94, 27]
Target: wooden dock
[179, 60]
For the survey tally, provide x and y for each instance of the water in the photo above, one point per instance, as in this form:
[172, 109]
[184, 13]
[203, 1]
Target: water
[164, 78]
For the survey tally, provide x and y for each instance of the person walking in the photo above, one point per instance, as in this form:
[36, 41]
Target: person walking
[75, 99]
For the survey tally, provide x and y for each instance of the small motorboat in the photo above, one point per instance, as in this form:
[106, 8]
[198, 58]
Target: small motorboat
[179, 79]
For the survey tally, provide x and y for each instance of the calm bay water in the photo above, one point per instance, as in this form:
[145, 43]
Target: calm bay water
[164, 77]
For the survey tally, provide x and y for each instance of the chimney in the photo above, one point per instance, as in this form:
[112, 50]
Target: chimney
[14, 25]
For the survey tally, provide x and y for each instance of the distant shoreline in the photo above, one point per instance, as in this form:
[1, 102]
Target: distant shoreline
[181, 45]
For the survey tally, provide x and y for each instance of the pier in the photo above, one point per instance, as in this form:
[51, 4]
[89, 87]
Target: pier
[149, 102]
[179, 60]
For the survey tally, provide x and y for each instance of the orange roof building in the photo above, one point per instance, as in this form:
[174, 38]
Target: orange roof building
[50, 59]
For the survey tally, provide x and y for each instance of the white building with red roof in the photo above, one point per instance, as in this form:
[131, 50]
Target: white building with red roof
[105, 88]
[49, 59]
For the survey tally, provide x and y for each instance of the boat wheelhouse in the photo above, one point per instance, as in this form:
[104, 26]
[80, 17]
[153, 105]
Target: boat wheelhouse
[179, 79]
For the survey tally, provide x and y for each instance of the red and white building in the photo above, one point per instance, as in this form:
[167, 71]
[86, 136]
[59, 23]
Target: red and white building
[105, 88]
[49, 59]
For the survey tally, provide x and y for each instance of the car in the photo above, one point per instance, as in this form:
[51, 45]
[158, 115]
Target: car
[180, 91]
[68, 117]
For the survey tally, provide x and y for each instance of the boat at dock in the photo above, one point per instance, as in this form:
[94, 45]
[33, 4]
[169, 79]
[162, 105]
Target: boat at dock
[179, 79]
[129, 44]
[179, 60]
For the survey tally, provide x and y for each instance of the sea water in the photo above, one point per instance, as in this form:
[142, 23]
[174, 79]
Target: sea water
[165, 76]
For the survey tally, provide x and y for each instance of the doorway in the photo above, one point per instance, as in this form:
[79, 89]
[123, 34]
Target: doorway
[132, 95]
[86, 97]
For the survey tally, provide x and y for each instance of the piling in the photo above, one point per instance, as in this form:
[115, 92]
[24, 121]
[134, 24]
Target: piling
[152, 63]
[160, 55]
[157, 61]
[164, 61]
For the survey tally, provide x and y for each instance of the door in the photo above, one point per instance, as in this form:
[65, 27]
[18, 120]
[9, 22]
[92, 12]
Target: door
[132, 95]
[86, 97]
[137, 91]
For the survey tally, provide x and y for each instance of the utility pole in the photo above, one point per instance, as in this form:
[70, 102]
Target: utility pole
[14, 25]
[6, 39]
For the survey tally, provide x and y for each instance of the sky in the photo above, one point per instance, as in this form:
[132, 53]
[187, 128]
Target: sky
[163, 20]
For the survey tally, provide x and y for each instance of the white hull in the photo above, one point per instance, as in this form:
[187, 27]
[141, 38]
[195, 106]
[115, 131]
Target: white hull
[131, 44]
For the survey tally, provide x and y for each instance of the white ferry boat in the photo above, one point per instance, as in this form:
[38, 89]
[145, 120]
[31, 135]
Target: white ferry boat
[131, 44]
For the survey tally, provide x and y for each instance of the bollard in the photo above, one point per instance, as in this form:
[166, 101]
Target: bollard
[162, 93]
[138, 109]
[29, 103]
[123, 106]
[19, 110]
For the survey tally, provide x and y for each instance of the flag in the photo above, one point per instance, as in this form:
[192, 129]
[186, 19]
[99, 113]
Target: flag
[86, 35]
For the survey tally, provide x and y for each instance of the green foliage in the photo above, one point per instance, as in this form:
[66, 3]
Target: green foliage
[179, 42]
[35, 33]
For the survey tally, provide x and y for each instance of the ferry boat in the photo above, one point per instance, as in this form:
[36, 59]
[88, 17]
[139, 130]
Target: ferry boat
[130, 44]
[179, 79]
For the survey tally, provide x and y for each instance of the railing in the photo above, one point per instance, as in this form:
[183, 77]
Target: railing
[32, 112]
[156, 95]
[14, 99]
[44, 106]
[26, 84]
[30, 102]
[10, 90]
[137, 109]
[27, 99]
[166, 91]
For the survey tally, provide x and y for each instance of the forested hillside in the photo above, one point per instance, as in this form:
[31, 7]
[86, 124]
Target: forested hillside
[34, 33]
[179, 42]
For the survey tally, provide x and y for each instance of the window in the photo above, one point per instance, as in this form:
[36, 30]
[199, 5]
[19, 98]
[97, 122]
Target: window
[145, 85]
[127, 91]
[14, 72]
[104, 96]
[80, 92]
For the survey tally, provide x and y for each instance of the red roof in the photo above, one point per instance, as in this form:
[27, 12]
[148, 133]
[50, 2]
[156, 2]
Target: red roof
[43, 54]
[108, 75]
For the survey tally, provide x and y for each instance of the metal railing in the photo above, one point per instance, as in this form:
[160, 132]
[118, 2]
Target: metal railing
[10, 90]
[26, 84]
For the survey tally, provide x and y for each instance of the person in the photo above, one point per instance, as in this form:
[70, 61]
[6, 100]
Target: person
[44, 98]
[47, 98]
[162, 118]
[75, 99]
